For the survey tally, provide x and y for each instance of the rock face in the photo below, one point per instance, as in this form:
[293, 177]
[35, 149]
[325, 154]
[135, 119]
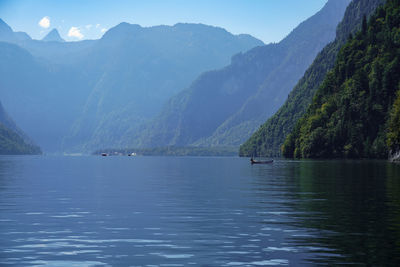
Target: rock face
[394, 156]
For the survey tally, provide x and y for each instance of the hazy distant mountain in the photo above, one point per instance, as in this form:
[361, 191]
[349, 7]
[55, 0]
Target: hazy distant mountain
[6, 32]
[43, 99]
[8, 35]
[53, 36]
[92, 93]
[134, 70]
[223, 107]
[53, 49]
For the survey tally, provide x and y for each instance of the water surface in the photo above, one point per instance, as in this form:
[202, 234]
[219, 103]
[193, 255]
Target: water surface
[166, 211]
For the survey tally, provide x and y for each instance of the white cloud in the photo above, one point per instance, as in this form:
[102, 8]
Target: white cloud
[44, 22]
[97, 25]
[88, 26]
[75, 32]
[103, 30]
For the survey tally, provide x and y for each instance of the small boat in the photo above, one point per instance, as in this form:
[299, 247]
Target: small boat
[104, 154]
[261, 161]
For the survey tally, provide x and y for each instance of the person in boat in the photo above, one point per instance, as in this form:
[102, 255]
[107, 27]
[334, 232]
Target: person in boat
[252, 161]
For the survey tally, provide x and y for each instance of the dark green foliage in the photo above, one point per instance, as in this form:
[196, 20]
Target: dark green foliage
[349, 113]
[268, 139]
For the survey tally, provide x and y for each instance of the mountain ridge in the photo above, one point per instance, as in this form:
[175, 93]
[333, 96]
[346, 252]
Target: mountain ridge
[88, 94]
[235, 84]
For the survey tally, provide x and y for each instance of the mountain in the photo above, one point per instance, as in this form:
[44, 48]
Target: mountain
[6, 32]
[81, 96]
[268, 139]
[41, 98]
[9, 123]
[8, 35]
[57, 51]
[223, 107]
[352, 113]
[12, 140]
[133, 73]
[53, 36]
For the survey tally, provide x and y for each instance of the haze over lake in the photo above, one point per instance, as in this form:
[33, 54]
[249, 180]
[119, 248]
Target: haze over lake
[172, 211]
[199, 133]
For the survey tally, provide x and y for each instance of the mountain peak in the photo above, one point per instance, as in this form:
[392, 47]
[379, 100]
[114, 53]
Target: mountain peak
[4, 26]
[122, 30]
[5, 31]
[53, 36]
[7, 34]
[125, 27]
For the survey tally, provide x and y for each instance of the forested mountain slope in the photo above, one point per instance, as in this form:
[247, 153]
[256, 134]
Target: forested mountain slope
[12, 140]
[352, 113]
[268, 139]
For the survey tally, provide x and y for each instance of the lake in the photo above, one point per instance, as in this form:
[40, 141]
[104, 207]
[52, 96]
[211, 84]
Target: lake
[177, 211]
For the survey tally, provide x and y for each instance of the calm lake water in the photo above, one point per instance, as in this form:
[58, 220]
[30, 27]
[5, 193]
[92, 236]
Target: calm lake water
[165, 211]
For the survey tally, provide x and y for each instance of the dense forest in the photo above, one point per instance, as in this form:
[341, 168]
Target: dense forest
[352, 114]
[268, 139]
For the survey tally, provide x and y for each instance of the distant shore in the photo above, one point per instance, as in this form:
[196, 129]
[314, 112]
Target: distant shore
[171, 151]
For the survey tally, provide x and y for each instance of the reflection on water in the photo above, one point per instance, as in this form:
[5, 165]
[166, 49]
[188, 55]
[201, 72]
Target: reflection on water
[353, 208]
[120, 211]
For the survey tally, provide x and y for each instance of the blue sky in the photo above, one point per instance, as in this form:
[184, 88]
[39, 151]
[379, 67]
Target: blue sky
[268, 20]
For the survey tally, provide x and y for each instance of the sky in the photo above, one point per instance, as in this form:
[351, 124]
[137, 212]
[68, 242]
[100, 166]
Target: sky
[267, 20]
